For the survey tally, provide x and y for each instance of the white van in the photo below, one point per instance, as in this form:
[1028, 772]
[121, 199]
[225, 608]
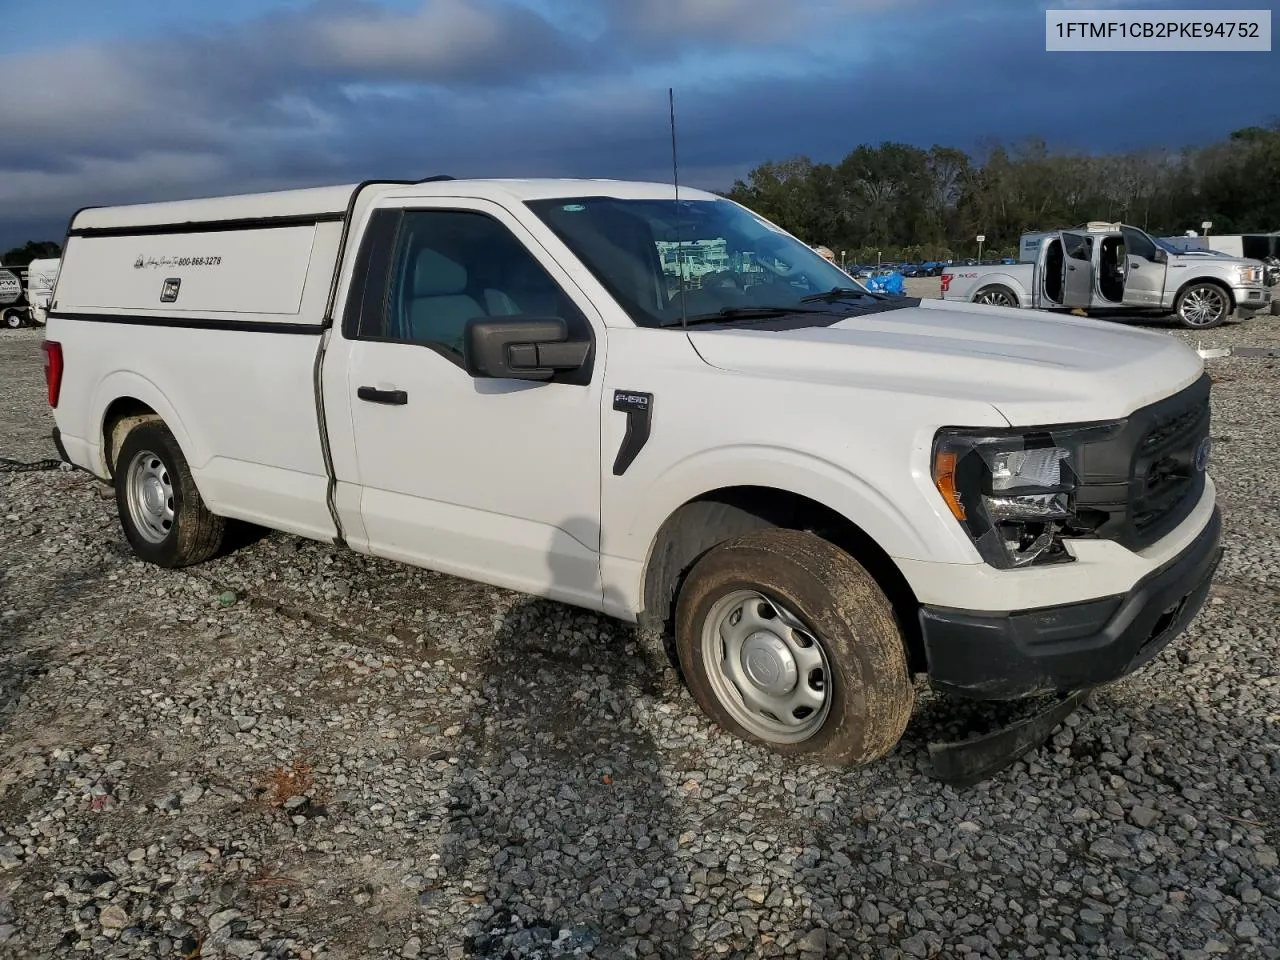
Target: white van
[820, 491]
[42, 276]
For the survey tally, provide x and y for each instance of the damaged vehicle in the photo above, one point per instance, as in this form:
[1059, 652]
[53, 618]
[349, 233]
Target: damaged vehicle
[817, 492]
[1115, 268]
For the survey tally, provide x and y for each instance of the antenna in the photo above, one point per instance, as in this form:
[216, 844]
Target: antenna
[675, 180]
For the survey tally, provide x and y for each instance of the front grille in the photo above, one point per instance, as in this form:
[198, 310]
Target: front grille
[1140, 483]
[1170, 429]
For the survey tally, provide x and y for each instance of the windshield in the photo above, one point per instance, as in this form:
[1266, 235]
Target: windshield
[729, 258]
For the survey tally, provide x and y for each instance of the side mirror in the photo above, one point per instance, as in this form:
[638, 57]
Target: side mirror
[521, 349]
[1160, 256]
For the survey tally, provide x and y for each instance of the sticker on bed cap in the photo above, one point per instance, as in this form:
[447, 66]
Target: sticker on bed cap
[573, 207]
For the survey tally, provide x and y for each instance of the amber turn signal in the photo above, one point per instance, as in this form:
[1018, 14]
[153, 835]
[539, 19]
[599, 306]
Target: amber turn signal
[944, 477]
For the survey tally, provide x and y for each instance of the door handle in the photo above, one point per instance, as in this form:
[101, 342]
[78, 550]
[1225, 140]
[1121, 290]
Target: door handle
[374, 395]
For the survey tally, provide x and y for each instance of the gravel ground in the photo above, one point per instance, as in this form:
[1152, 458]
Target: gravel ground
[297, 752]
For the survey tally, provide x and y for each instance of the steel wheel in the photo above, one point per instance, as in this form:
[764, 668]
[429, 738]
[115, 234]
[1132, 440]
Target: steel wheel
[766, 668]
[149, 491]
[1204, 305]
[12, 319]
[996, 297]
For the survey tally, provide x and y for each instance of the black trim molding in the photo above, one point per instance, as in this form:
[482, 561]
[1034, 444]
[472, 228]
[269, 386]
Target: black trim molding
[638, 407]
[209, 226]
[194, 323]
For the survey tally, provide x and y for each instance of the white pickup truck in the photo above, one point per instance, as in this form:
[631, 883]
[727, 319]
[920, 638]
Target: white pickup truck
[1115, 268]
[819, 491]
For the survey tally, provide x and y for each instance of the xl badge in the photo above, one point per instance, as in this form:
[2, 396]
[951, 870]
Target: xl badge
[1202, 454]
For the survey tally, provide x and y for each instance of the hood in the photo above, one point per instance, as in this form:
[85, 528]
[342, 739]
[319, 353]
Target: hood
[1215, 257]
[1033, 367]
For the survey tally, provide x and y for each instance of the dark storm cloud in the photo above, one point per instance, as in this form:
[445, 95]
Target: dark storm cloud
[347, 90]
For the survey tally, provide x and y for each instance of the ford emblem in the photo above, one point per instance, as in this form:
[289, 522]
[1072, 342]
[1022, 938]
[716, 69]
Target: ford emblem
[1202, 454]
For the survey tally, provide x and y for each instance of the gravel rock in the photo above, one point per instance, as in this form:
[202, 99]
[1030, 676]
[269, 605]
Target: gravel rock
[355, 758]
[1143, 816]
[113, 917]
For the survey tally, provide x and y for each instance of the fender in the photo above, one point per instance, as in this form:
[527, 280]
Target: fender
[126, 383]
[897, 533]
[1202, 278]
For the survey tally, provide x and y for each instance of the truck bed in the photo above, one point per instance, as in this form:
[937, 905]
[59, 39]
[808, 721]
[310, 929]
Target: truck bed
[967, 282]
[208, 296]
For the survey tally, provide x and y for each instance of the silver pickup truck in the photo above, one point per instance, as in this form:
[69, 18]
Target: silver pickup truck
[1114, 267]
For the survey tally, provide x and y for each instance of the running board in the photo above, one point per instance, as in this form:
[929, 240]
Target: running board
[967, 762]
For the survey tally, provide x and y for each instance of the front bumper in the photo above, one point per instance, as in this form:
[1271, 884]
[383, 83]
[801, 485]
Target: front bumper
[1004, 656]
[1251, 298]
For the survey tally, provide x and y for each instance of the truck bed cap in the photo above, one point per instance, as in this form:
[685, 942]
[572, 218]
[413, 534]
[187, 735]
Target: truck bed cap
[332, 202]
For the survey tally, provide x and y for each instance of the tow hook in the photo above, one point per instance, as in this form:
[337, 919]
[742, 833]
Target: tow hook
[967, 762]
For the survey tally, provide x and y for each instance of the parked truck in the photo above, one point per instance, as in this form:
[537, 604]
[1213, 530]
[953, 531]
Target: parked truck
[25, 293]
[14, 310]
[816, 490]
[1116, 268]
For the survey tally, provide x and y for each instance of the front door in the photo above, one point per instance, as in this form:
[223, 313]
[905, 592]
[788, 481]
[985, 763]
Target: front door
[1144, 269]
[1077, 277]
[492, 480]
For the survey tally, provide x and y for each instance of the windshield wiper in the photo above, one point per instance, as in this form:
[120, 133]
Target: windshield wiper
[843, 293]
[740, 313]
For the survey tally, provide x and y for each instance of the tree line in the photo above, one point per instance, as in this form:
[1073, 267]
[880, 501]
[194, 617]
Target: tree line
[901, 202]
[31, 250]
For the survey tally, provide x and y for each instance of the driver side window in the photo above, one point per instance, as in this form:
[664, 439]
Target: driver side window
[452, 266]
[1139, 245]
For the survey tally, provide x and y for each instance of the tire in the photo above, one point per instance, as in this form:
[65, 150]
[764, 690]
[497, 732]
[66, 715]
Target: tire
[996, 295]
[163, 516]
[1202, 306]
[815, 606]
[12, 319]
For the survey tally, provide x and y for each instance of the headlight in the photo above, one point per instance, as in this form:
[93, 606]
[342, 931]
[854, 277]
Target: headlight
[1250, 274]
[1014, 492]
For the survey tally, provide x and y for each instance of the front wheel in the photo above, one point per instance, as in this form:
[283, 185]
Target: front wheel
[12, 319]
[1202, 305]
[785, 640]
[163, 516]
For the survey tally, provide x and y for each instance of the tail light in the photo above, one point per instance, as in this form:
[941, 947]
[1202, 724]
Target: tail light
[946, 281]
[53, 369]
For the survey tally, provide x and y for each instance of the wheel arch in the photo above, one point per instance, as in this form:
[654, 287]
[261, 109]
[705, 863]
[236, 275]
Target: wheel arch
[1214, 281]
[715, 516]
[126, 398]
[999, 281]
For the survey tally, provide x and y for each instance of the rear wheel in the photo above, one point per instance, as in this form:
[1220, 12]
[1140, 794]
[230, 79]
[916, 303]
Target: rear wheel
[12, 319]
[163, 516]
[1203, 305]
[786, 641]
[996, 296]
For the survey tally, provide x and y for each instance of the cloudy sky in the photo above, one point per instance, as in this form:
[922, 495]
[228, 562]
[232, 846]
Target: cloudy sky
[116, 101]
